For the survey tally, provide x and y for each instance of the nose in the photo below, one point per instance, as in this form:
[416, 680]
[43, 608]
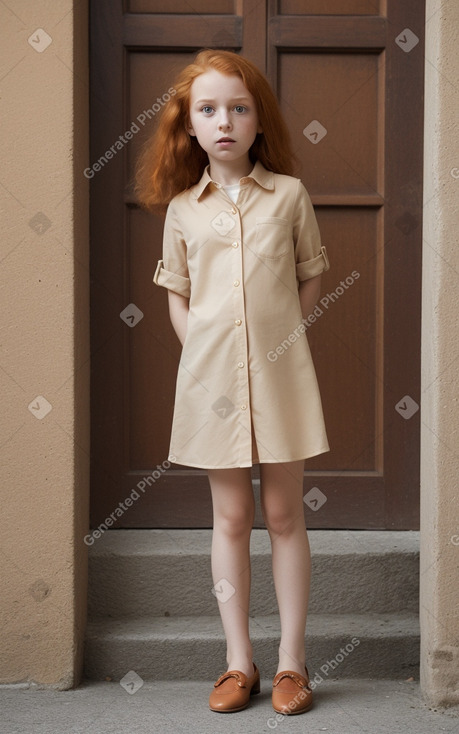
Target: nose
[224, 122]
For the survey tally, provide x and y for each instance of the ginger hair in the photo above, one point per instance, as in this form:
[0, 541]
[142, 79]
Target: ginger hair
[172, 161]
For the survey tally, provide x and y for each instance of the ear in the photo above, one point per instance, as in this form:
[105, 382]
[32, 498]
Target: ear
[190, 131]
[259, 128]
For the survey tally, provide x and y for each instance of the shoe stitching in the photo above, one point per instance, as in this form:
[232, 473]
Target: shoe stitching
[227, 676]
[299, 680]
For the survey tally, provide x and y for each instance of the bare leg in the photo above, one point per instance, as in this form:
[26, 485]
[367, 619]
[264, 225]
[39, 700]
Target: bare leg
[282, 504]
[233, 510]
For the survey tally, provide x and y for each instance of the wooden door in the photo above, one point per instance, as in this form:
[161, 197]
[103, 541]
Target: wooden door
[349, 78]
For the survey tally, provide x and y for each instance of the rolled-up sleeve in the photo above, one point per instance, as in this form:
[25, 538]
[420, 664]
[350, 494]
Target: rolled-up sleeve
[168, 279]
[172, 270]
[310, 255]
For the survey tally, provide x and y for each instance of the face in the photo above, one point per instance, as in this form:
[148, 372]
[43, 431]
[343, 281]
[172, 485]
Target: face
[223, 116]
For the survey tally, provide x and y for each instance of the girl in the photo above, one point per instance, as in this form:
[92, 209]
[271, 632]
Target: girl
[242, 261]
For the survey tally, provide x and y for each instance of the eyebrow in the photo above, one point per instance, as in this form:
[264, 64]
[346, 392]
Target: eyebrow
[233, 99]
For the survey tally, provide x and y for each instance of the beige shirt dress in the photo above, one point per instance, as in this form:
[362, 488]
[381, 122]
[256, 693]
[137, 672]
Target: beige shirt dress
[246, 388]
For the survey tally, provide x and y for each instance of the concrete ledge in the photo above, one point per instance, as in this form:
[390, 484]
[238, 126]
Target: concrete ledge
[155, 572]
[324, 542]
[193, 648]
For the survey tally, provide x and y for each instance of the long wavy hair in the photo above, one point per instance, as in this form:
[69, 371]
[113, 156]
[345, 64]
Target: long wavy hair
[172, 161]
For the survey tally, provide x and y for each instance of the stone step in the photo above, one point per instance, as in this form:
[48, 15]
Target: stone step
[193, 648]
[145, 573]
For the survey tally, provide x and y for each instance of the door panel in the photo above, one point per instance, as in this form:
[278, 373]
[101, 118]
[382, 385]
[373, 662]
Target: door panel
[176, 7]
[345, 160]
[329, 7]
[335, 66]
[345, 333]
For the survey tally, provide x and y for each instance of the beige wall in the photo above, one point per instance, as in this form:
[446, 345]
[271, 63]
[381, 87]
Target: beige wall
[44, 345]
[439, 606]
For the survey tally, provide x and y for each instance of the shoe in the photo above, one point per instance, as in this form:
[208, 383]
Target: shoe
[291, 693]
[232, 691]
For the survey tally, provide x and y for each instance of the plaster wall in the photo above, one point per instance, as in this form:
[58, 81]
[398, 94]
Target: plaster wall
[439, 602]
[44, 359]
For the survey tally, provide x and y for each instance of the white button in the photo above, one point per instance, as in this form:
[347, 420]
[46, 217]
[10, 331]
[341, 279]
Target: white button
[238, 322]
[233, 210]
[236, 283]
[235, 244]
[240, 364]
[243, 407]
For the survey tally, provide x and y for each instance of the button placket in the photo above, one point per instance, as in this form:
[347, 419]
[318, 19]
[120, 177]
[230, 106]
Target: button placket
[241, 342]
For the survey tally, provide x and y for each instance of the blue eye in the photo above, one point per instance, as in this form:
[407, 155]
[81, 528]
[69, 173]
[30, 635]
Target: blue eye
[240, 108]
[207, 109]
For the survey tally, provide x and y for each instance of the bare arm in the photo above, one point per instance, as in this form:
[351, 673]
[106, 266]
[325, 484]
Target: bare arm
[309, 292]
[178, 312]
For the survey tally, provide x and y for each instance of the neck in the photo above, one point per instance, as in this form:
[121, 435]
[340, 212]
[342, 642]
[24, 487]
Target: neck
[228, 173]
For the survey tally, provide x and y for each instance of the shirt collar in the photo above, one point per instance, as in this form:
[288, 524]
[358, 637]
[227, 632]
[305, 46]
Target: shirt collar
[259, 173]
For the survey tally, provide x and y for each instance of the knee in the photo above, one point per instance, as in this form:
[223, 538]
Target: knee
[235, 522]
[283, 520]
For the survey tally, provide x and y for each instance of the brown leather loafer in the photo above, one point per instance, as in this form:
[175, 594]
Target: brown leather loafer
[232, 691]
[291, 693]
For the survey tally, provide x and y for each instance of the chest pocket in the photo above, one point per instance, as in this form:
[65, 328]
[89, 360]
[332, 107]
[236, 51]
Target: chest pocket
[273, 237]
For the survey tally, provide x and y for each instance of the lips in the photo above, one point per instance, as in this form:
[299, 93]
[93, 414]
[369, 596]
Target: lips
[226, 140]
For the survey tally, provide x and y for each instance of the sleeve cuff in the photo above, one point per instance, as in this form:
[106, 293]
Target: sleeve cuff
[311, 268]
[172, 281]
